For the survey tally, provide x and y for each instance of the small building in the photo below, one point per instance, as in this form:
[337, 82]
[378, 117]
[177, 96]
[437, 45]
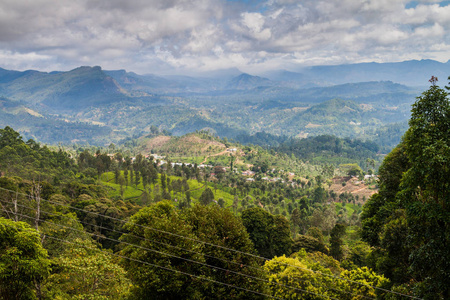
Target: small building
[248, 173]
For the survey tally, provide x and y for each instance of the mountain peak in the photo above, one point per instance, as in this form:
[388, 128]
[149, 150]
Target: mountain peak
[246, 81]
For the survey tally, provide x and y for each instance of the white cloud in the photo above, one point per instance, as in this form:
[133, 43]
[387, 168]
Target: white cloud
[435, 31]
[189, 34]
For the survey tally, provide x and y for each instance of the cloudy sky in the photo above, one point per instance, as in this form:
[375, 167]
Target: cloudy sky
[167, 36]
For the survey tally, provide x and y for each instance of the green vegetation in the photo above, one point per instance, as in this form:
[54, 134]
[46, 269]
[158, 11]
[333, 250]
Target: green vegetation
[301, 274]
[188, 228]
[90, 105]
[198, 216]
[24, 263]
[407, 221]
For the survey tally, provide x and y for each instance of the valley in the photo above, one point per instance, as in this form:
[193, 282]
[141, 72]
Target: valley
[109, 106]
[231, 182]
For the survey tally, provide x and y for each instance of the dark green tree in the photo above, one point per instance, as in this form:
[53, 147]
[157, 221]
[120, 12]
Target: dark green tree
[408, 220]
[206, 197]
[336, 242]
[425, 190]
[270, 234]
[212, 224]
[221, 227]
[9, 137]
[149, 279]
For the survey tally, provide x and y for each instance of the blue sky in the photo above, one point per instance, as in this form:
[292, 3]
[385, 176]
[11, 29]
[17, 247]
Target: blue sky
[189, 36]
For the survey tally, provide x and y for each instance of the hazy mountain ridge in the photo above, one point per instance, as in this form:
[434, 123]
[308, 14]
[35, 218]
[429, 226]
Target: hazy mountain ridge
[282, 102]
[411, 73]
[76, 89]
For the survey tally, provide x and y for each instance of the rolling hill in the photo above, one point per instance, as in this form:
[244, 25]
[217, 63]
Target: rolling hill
[346, 100]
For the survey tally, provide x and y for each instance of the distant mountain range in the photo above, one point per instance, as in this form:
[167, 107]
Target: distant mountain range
[92, 86]
[410, 73]
[93, 101]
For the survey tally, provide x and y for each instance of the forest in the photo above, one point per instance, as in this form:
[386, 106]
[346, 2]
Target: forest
[134, 221]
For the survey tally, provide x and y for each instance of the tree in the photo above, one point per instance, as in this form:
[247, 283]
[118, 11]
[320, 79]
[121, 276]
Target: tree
[116, 175]
[137, 178]
[296, 279]
[269, 233]
[425, 190]
[85, 272]
[121, 180]
[219, 226]
[206, 197]
[407, 221]
[174, 242]
[325, 218]
[23, 260]
[151, 279]
[310, 244]
[361, 281]
[125, 174]
[351, 169]
[9, 137]
[336, 235]
[295, 219]
[316, 276]
[377, 210]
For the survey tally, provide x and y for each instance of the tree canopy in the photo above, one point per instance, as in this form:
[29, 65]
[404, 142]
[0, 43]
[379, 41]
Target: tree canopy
[169, 241]
[408, 220]
[24, 262]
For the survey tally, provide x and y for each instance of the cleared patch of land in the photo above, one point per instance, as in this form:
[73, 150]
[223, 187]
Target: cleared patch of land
[354, 186]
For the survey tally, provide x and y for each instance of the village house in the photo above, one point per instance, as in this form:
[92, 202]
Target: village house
[248, 173]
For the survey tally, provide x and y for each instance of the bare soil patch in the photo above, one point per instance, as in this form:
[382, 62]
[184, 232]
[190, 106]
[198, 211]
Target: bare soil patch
[353, 186]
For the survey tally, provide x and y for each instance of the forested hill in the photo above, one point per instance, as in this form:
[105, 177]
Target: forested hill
[111, 222]
[91, 105]
[79, 88]
[132, 226]
[327, 147]
[322, 148]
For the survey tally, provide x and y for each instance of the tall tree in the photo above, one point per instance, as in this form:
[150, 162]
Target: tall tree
[408, 220]
[426, 189]
[336, 242]
[206, 197]
[85, 272]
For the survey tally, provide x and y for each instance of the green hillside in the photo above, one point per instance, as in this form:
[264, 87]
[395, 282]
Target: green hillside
[127, 104]
[76, 89]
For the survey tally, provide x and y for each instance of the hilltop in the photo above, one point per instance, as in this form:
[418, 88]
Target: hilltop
[93, 102]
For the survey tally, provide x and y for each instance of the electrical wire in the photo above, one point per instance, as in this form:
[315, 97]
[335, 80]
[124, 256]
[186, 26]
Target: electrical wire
[185, 259]
[218, 246]
[162, 267]
[210, 244]
[180, 248]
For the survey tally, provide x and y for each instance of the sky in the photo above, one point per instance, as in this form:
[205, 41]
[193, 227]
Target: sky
[192, 36]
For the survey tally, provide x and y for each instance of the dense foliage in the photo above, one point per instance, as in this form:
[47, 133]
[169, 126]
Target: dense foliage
[24, 263]
[408, 220]
[206, 217]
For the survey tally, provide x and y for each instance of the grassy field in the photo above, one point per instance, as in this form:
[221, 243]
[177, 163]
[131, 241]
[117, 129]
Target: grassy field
[133, 192]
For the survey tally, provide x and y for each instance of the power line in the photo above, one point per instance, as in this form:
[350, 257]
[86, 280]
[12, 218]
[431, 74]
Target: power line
[230, 249]
[185, 259]
[176, 247]
[226, 248]
[164, 268]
